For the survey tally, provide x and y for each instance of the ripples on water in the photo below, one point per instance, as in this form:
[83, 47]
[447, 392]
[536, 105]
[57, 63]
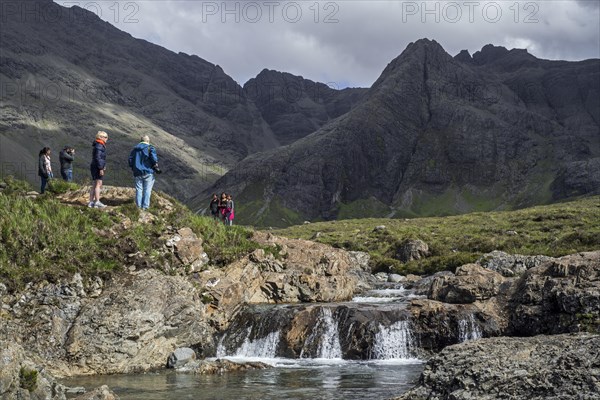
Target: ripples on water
[290, 379]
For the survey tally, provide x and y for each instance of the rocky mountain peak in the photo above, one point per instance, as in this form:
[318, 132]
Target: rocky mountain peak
[423, 52]
[489, 53]
[464, 56]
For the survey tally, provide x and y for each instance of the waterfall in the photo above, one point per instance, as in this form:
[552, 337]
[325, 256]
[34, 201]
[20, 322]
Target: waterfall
[326, 334]
[265, 347]
[468, 329]
[394, 342]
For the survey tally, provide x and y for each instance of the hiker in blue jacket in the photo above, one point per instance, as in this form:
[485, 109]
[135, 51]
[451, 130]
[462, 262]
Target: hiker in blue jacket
[144, 163]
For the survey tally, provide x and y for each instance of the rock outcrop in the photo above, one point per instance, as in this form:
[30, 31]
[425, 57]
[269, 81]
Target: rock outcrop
[299, 271]
[560, 367]
[561, 295]
[510, 264]
[557, 296]
[130, 323]
[21, 378]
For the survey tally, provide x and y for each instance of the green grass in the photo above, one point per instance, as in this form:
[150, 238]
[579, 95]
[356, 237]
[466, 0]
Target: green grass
[28, 379]
[44, 239]
[552, 230]
[58, 186]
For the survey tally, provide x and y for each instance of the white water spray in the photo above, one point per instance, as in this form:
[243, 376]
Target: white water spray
[326, 330]
[394, 342]
[468, 329]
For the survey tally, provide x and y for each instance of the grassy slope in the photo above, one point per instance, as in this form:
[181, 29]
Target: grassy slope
[552, 230]
[43, 239]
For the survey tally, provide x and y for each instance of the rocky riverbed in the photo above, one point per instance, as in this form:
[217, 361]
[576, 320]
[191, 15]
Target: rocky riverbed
[134, 320]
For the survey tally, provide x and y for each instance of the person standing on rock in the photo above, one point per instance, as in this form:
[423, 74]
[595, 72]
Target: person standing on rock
[98, 168]
[66, 158]
[143, 162]
[44, 168]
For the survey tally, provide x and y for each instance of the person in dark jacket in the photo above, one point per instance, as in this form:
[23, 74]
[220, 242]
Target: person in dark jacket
[143, 162]
[44, 168]
[66, 157]
[98, 168]
[214, 207]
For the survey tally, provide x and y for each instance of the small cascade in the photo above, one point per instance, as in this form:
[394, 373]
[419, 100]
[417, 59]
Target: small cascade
[325, 334]
[265, 347]
[468, 329]
[394, 342]
[386, 293]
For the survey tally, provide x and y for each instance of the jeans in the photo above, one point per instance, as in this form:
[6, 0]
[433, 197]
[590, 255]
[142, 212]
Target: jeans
[67, 175]
[143, 190]
[45, 182]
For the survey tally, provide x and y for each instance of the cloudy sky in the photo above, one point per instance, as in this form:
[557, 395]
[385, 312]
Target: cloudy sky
[349, 43]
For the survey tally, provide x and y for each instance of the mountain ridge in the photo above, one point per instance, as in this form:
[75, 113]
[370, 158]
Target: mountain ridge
[435, 135]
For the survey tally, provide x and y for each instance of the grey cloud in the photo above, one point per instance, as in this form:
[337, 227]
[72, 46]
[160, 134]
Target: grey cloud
[367, 35]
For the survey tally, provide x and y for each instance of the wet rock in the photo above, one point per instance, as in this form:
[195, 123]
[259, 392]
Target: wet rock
[510, 264]
[101, 393]
[221, 366]
[180, 357]
[412, 250]
[561, 367]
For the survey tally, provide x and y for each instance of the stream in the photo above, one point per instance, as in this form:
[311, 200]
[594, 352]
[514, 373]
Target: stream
[362, 349]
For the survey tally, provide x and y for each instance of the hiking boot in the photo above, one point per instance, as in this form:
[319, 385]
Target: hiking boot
[98, 204]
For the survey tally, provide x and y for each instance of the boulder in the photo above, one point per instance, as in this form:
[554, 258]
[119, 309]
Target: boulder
[395, 278]
[560, 367]
[101, 393]
[470, 283]
[411, 250]
[180, 357]
[188, 249]
[220, 366]
[510, 264]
